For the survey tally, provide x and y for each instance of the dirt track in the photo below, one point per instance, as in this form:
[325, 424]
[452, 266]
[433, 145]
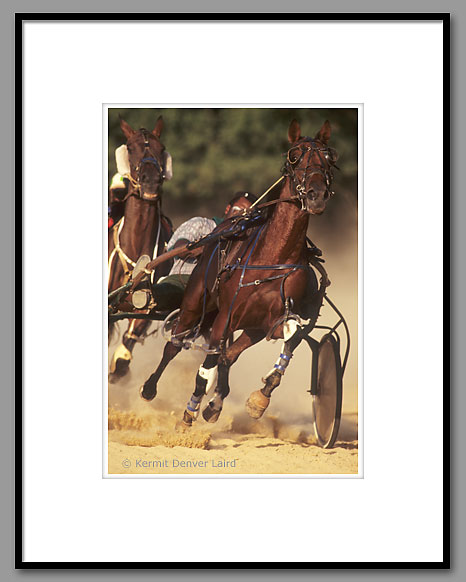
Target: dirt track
[230, 452]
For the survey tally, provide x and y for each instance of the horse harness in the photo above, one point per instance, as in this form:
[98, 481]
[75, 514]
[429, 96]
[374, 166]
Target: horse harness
[286, 271]
[125, 261]
[119, 252]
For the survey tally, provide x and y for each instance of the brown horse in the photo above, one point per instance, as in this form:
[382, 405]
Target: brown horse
[264, 284]
[143, 230]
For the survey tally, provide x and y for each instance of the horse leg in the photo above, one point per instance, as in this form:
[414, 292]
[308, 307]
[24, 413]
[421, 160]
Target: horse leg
[259, 400]
[205, 378]
[148, 390]
[188, 318]
[213, 409]
[123, 355]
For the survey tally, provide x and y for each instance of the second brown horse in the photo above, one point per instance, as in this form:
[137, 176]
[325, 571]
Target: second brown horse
[143, 230]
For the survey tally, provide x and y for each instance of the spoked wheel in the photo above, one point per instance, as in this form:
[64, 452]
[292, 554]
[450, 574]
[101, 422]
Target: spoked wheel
[326, 404]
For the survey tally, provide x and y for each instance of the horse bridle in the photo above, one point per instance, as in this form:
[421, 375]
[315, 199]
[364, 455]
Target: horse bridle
[326, 172]
[147, 157]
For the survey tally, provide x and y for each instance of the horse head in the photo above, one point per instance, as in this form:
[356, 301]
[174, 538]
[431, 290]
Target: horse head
[309, 164]
[147, 164]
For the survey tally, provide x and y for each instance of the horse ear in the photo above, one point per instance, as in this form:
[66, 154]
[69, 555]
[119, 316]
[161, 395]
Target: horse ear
[294, 131]
[126, 128]
[324, 133]
[157, 131]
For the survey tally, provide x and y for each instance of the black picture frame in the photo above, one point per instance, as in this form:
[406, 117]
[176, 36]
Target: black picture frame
[20, 18]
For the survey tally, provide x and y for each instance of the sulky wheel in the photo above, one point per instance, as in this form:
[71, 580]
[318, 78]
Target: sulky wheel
[326, 404]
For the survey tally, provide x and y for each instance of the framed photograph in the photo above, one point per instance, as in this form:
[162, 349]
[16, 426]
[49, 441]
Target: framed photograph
[312, 430]
[234, 326]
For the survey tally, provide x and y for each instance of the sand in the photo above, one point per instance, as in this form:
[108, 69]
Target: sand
[146, 438]
[229, 452]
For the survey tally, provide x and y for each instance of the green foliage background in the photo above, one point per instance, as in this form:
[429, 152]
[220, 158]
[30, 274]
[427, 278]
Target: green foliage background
[217, 152]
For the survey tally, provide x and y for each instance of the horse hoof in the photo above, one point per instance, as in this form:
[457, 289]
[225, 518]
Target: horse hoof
[185, 424]
[210, 414]
[148, 392]
[256, 404]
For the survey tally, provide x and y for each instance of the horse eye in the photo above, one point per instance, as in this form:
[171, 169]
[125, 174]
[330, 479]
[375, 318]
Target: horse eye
[292, 156]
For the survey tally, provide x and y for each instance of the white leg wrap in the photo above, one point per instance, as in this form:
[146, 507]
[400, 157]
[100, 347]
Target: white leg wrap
[280, 365]
[209, 374]
[289, 329]
[193, 406]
